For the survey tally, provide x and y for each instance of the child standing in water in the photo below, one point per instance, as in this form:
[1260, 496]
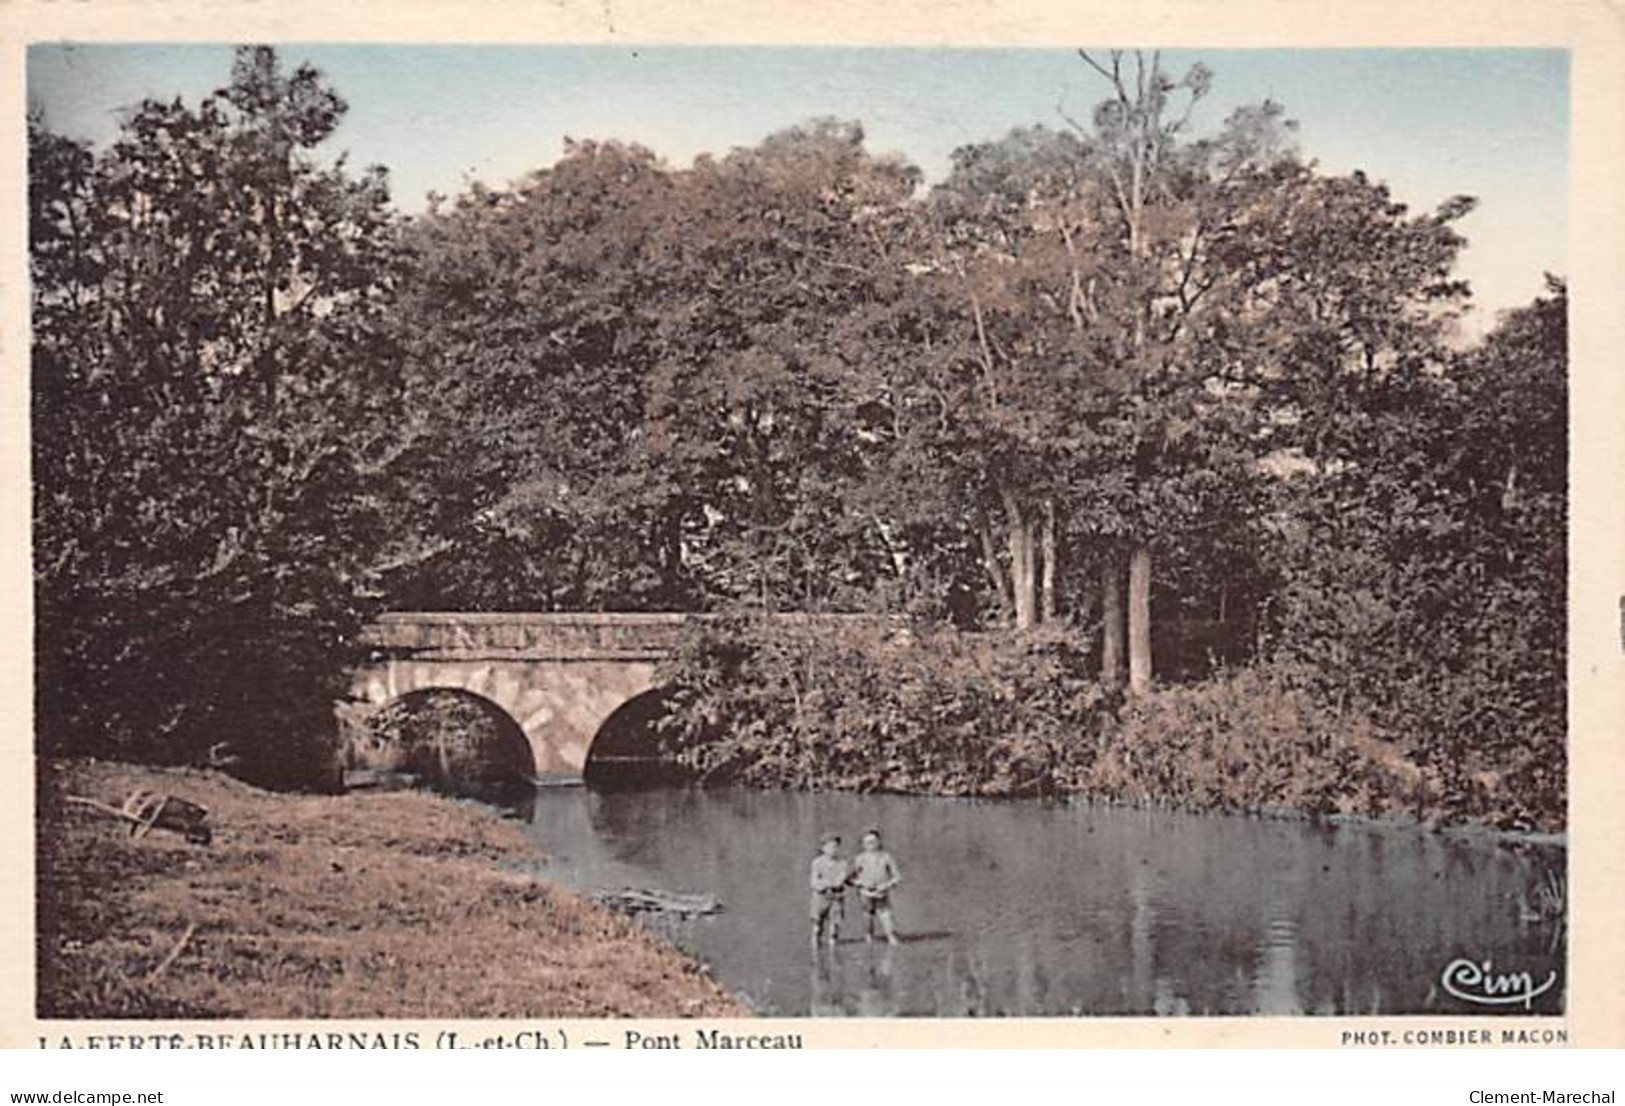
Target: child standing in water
[875, 873]
[829, 879]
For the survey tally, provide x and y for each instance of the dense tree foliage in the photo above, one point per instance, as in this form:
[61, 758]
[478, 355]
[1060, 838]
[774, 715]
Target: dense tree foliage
[209, 349]
[1167, 401]
[1421, 575]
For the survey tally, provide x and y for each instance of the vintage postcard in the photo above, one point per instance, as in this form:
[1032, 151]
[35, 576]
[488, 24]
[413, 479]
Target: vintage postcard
[979, 524]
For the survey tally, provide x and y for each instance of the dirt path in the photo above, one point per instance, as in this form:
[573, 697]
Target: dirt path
[361, 906]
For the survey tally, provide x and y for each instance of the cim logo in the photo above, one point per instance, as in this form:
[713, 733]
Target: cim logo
[1477, 982]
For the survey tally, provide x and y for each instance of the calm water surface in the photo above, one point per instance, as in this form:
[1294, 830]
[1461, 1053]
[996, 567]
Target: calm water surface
[1030, 907]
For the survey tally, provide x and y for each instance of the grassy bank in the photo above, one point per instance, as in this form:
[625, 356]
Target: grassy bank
[378, 905]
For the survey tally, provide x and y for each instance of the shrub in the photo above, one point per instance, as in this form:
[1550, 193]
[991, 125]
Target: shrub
[1251, 740]
[872, 706]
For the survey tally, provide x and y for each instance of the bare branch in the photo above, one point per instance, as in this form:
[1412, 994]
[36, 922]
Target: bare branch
[986, 351]
[1060, 109]
[1114, 76]
[1096, 66]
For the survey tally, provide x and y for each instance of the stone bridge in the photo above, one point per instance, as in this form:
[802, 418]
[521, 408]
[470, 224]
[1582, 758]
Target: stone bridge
[559, 677]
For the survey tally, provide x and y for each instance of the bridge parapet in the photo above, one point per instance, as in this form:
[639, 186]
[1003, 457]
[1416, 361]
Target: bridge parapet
[582, 636]
[558, 676]
[526, 636]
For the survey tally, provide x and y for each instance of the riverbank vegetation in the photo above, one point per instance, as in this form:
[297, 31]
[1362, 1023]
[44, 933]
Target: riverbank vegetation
[1162, 439]
[871, 708]
[393, 905]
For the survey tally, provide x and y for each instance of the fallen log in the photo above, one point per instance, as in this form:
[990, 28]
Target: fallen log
[149, 810]
[635, 900]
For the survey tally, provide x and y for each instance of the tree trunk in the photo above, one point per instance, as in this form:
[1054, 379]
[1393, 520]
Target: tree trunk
[1023, 577]
[1111, 621]
[990, 562]
[669, 538]
[1049, 551]
[1139, 620]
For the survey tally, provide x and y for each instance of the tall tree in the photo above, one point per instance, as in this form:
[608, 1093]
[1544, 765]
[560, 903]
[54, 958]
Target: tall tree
[209, 346]
[995, 299]
[780, 243]
[651, 362]
[530, 339]
[1152, 189]
[1422, 566]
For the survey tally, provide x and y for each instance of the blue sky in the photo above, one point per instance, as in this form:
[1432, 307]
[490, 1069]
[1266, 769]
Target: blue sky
[1432, 123]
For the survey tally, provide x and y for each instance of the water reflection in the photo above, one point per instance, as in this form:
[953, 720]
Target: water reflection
[1045, 908]
[826, 986]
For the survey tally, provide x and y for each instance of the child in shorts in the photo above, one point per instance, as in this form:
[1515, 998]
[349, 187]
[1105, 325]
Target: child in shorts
[875, 874]
[829, 878]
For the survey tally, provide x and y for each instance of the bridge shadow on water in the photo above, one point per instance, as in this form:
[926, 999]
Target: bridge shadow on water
[514, 796]
[629, 754]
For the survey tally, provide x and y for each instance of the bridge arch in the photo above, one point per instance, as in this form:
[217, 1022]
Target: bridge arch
[559, 705]
[626, 751]
[448, 734]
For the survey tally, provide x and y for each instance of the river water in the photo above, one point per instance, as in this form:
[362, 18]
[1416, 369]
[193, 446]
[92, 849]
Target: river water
[1048, 908]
